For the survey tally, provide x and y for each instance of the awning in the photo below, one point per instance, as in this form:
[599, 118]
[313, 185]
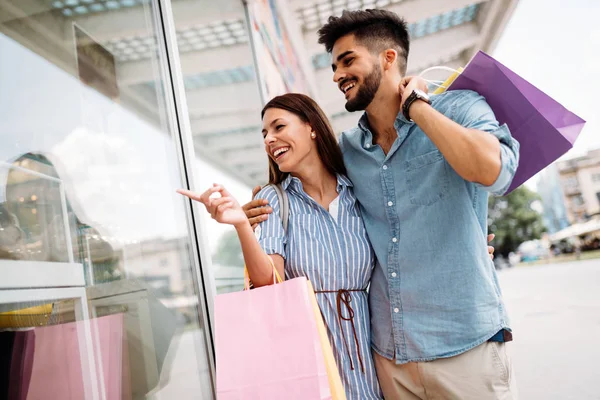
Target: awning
[576, 230]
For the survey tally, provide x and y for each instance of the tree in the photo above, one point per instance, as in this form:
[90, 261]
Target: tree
[513, 220]
[229, 251]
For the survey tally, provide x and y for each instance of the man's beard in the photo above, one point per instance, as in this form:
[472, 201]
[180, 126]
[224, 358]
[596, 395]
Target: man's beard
[366, 91]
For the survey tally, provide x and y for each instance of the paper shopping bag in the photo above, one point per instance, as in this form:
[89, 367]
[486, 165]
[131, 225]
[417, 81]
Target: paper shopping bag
[268, 344]
[544, 128]
[333, 373]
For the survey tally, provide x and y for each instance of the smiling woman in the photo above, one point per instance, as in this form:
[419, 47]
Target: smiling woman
[325, 240]
[296, 121]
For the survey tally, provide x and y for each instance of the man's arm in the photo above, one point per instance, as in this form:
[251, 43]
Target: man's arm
[469, 147]
[473, 154]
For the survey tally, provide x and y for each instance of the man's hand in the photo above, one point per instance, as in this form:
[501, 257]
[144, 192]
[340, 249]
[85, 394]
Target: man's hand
[257, 210]
[408, 84]
[491, 248]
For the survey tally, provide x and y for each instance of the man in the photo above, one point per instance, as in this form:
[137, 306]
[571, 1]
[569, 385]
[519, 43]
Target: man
[422, 169]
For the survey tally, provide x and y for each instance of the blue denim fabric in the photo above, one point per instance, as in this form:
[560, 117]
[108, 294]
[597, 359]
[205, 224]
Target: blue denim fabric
[434, 291]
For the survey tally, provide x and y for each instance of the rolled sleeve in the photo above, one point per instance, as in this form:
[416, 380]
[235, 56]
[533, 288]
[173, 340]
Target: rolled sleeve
[270, 233]
[509, 156]
[479, 115]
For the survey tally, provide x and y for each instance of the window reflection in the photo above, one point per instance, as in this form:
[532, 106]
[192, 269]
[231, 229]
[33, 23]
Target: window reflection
[94, 247]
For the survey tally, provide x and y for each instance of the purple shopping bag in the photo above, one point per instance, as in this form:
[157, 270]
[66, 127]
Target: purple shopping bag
[268, 346]
[545, 129]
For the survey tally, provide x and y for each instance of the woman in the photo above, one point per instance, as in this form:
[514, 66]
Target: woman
[325, 240]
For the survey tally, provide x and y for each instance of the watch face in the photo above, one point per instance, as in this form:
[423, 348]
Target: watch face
[421, 94]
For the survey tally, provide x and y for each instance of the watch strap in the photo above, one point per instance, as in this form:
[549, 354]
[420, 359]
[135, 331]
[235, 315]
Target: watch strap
[409, 101]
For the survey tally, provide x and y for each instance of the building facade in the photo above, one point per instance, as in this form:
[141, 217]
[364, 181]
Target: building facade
[580, 183]
[550, 189]
[107, 107]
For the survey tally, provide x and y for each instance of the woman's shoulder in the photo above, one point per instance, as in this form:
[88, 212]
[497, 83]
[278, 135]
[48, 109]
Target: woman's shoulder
[269, 193]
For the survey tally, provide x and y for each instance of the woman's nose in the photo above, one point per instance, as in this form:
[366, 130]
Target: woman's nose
[270, 139]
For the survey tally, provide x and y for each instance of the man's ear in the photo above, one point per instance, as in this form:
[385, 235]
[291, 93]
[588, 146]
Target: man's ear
[390, 58]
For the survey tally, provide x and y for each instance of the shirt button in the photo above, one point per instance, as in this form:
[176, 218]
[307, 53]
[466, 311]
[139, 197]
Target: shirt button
[393, 274]
[394, 240]
[390, 203]
[368, 145]
[384, 167]
[396, 310]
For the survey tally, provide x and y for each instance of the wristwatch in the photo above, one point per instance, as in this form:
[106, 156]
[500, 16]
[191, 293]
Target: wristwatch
[416, 94]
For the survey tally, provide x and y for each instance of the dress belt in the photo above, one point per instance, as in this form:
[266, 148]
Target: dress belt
[344, 297]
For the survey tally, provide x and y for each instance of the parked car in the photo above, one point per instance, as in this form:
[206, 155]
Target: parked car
[532, 250]
[501, 262]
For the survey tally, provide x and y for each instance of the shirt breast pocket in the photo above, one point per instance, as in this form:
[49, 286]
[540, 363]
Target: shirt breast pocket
[427, 178]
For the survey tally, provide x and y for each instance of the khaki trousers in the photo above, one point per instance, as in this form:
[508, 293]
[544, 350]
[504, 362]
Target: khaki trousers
[482, 373]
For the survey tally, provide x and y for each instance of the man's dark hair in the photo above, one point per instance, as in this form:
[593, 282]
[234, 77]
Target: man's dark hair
[377, 30]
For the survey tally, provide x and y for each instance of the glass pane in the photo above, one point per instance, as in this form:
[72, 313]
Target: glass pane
[224, 106]
[97, 296]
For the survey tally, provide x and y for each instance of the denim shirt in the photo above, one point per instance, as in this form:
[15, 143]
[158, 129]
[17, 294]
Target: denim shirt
[434, 291]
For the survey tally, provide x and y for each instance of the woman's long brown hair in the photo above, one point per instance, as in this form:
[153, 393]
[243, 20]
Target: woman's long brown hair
[309, 112]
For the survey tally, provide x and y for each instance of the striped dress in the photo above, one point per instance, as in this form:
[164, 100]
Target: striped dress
[331, 249]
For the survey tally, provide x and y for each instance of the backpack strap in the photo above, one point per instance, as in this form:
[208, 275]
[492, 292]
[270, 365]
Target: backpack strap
[284, 205]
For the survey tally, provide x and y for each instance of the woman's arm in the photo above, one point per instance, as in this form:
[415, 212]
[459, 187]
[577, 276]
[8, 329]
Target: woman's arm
[226, 210]
[259, 267]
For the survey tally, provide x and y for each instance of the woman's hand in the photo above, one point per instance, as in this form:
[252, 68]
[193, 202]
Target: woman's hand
[224, 208]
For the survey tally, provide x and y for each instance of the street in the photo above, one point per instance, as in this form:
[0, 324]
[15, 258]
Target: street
[555, 315]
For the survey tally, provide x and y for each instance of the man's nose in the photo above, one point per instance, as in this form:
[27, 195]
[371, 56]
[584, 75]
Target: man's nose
[338, 76]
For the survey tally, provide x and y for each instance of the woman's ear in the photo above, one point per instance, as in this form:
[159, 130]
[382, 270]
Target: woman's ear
[313, 134]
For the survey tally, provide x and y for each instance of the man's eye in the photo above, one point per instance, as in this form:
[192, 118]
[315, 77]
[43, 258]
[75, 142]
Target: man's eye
[348, 61]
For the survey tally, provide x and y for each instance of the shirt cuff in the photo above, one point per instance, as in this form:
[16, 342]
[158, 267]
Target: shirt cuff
[273, 246]
[508, 168]
[505, 178]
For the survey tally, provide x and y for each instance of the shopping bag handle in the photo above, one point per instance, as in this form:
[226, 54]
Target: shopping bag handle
[438, 68]
[276, 276]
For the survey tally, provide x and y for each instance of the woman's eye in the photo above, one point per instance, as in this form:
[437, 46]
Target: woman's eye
[279, 127]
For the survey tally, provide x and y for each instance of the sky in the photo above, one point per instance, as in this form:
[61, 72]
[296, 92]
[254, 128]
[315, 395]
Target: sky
[555, 45]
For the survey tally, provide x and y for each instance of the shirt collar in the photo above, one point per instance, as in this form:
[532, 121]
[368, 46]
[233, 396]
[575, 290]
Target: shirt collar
[401, 120]
[287, 181]
[343, 181]
[363, 124]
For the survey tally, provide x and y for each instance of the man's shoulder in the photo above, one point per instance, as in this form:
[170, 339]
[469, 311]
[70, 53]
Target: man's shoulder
[452, 101]
[350, 138]
[454, 96]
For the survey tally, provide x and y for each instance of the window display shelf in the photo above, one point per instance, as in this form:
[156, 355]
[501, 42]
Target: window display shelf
[24, 274]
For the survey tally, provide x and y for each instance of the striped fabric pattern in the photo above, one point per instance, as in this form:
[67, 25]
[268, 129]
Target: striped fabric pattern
[334, 253]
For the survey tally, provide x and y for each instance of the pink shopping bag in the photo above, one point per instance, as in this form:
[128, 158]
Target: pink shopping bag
[268, 345]
[57, 371]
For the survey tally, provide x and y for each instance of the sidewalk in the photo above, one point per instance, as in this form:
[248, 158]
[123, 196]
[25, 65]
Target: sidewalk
[586, 255]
